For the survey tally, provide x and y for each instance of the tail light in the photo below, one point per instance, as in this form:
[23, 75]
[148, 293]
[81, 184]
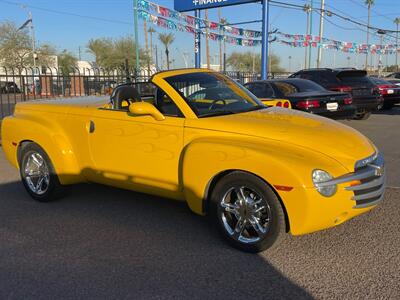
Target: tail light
[286, 105]
[343, 89]
[279, 104]
[307, 104]
[348, 100]
[386, 89]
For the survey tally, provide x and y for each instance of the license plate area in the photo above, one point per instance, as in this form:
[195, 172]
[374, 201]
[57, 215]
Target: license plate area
[332, 106]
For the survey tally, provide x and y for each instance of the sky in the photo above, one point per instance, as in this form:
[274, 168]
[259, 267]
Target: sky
[70, 24]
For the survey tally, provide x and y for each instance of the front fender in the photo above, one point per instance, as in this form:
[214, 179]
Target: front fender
[45, 131]
[276, 163]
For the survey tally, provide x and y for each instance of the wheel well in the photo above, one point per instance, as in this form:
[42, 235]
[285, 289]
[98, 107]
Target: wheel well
[20, 146]
[213, 182]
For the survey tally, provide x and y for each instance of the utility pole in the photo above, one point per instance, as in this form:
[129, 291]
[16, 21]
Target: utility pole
[311, 29]
[31, 32]
[79, 53]
[207, 43]
[32, 29]
[265, 35]
[220, 42]
[307, 9]
[146, 43]
[321, 33]
[397, 22]
[135, 21]
[368, 48]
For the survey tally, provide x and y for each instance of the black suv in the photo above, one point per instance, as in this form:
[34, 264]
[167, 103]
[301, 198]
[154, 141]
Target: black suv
[366, 96]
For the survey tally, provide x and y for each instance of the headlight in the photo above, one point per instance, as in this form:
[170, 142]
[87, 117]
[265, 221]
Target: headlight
[320, 176]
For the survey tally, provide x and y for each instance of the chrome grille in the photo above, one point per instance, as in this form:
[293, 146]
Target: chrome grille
[370, 172]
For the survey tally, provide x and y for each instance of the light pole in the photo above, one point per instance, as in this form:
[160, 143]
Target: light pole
[307, 9]
[264, 46]
[369, 4]
[381, 34]
[32, 33]
[348, 61]
[290, 64]
[397, 22]
[321, 32]
[135, 24]
[311, 29]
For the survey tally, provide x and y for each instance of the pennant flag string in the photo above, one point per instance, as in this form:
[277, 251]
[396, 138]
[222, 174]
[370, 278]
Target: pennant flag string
[167, 18]
[172, 25]
[193, 21]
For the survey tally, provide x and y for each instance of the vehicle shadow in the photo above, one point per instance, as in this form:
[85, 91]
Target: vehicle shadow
[102, 242]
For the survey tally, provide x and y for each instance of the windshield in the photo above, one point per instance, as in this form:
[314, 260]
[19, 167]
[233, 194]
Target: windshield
[355, 78]
[303, 85]
[210, 94]
[379, 81]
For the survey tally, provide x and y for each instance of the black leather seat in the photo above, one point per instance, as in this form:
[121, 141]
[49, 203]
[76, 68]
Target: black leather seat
[122, 93]
[165, 107]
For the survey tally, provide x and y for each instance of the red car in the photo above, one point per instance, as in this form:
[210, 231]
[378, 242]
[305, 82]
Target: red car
[389, 91]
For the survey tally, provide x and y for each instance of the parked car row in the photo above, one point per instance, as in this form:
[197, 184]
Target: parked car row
[334, 93]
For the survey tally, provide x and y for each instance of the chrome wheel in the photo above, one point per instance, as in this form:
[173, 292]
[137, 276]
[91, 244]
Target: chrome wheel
[36, 173]
[246, 215]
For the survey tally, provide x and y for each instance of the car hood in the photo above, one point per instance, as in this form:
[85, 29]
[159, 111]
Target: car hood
[338, 141]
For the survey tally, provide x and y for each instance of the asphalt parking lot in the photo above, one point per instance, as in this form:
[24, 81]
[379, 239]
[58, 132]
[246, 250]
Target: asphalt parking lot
[104, 243]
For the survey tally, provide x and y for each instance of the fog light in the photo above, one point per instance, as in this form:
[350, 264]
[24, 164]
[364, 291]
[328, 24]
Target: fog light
[321, 176]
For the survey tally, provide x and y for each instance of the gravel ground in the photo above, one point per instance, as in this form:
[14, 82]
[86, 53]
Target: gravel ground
[105, 243]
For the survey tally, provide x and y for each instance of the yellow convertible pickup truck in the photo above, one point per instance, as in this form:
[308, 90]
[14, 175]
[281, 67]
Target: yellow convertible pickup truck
[197, 136]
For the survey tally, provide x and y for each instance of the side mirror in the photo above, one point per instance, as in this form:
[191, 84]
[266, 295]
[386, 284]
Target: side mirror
[145, 109]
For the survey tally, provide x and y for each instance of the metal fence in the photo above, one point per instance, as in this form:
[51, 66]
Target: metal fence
[24, 84]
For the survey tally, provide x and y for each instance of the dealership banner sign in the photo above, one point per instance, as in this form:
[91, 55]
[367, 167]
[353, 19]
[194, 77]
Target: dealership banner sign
[187, 5]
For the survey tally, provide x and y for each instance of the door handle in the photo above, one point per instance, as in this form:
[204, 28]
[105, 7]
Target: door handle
[90, 126]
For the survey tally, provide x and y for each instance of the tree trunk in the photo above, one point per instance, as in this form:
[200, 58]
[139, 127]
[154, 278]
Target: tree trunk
[167, 55]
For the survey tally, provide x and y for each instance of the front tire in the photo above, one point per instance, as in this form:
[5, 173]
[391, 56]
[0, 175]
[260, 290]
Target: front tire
[38, 174]
[247, 212]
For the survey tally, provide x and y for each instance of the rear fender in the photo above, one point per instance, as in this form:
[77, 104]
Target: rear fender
[45, 132]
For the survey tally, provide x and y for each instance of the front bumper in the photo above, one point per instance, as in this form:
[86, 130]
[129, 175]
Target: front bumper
[369, 181]
[357, 193]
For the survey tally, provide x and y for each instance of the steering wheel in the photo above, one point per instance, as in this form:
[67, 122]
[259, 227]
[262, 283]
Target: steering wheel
[215, 102]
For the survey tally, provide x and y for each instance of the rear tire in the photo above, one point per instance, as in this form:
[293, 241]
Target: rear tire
[362, 116]
[387, 106]
[38, 174]
[247, 212]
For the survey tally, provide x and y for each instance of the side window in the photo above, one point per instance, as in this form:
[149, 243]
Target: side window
[261, 90]
[285, 88]
[297, 75]
[166, 105]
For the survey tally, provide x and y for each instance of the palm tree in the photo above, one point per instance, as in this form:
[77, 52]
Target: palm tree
[369, 3]
[151, 30]
[166, 40]
[397, 22]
